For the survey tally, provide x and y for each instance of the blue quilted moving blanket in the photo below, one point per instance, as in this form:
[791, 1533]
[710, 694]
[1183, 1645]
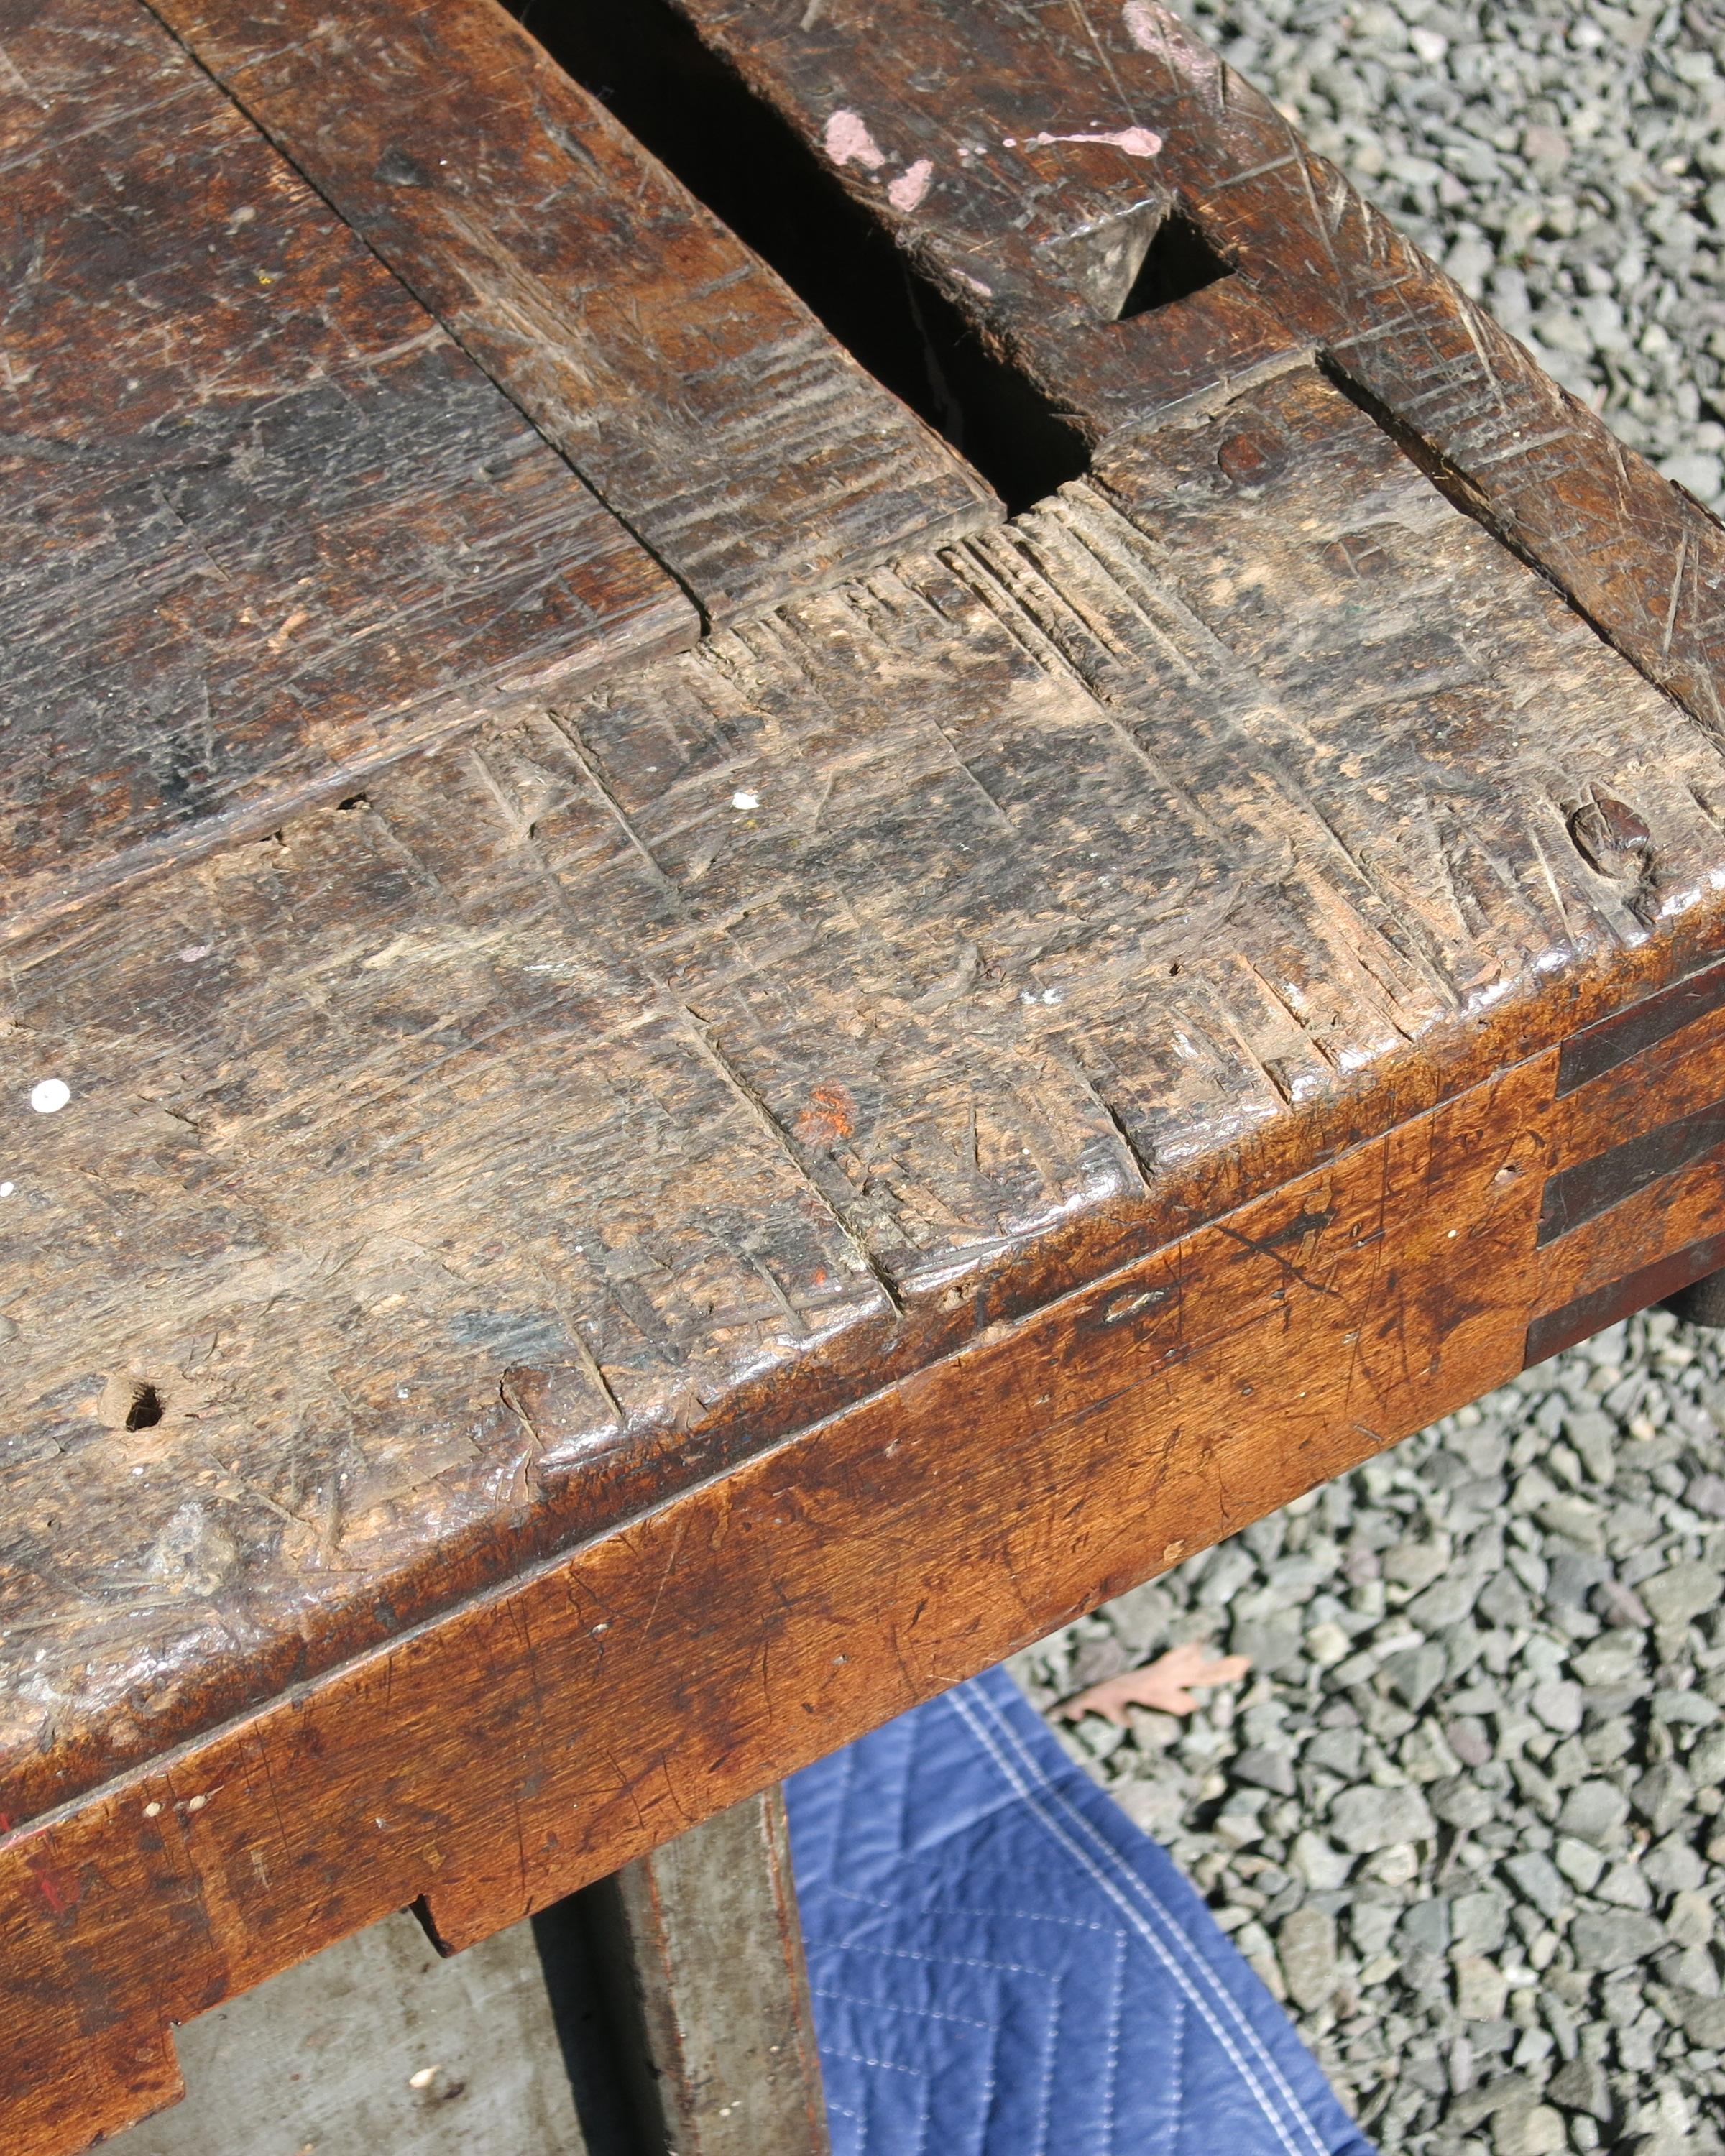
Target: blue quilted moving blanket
[1004, 1965]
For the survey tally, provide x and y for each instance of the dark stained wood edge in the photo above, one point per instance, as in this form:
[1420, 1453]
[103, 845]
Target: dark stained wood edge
[1588, 1314]
[560, 1727]
[1667, 1214]
[1581, 1192]
[1602, 1047]
[1676, 1076]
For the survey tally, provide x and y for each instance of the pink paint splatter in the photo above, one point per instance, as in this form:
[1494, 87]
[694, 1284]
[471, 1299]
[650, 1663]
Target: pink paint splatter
[907, 190]
[1142, 26]
[849, 142]
[1135, 141]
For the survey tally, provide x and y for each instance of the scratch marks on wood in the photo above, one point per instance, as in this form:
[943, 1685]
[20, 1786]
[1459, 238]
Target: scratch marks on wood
[607, 1098]
[782, 1139]
[1671, 612]
[697, 396]
[300, 532]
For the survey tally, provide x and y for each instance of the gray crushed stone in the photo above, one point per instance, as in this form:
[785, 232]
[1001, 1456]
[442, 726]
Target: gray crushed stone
[1565, 163]
[1466, 1816]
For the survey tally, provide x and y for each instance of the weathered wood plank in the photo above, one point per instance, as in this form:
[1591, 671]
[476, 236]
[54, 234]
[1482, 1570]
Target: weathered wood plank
[1045, 145]
[265, 525]
[377, 2047]
[541, 1738]
[641, 1243]
[1255, 859]
[697, 1950]
[405, 1163]
[701, 398]
[639, 1085]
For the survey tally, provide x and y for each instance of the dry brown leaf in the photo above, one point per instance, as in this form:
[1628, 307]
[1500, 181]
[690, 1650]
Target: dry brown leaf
[1163, 1684]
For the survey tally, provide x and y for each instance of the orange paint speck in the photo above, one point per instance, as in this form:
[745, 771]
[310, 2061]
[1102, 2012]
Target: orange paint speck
[829, 1118]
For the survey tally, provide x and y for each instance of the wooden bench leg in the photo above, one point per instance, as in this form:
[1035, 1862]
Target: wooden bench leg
[1703, 1302]
[701, 1998]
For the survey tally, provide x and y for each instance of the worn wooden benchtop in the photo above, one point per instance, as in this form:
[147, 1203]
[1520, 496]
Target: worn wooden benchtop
[703, 1084]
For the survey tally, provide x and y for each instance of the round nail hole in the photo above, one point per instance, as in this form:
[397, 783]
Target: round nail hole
[146, 1408]
[129, 1403]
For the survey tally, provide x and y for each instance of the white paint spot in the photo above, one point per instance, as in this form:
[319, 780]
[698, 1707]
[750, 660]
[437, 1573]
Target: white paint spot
[153, 1810]
[191, 953]
[741, 799]
[196, 1804]
[423, 2079]
[50, 1097]
[907, 190]
[7, 1189]
[1141, 26]
[1135, 141]
[849, 142]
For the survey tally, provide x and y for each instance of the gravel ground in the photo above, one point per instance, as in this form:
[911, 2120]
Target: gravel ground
[1565, 163]
[1465, 1817]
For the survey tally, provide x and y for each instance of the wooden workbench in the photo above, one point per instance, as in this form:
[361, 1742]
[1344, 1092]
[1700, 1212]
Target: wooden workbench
[665, 1085]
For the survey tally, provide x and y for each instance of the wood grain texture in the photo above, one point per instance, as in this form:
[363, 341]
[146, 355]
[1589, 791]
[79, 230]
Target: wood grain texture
[1048, 142]
[698, 396]
[1663, 1214]
[1622, 1295]
[642, 1243]
[1578, 1194]
[1683, 1015]
[1674, 1077]
[464, 1168]
[1633, 1206]
[541, 1736]
[265, 525]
